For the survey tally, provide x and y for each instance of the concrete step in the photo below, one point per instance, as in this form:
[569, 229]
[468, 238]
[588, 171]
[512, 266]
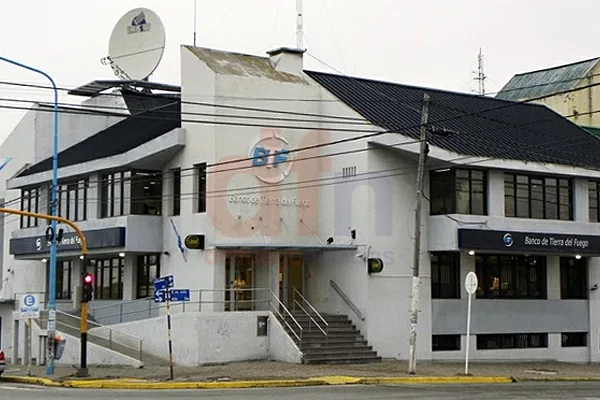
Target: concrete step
[332, 344]
[343, 360]
[311, 351]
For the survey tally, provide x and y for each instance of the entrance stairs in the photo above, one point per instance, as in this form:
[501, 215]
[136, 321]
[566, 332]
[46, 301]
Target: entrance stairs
[332, 341]
[127, 345]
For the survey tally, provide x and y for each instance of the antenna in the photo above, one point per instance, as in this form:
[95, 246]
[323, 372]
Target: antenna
[136, 46]
[299, 25]
[480, 75]
[195, 19]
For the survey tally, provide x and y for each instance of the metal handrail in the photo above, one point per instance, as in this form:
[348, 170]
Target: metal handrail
[310, 317]
[288, 313]
[110, 335]
[347, 300]
[314, 310]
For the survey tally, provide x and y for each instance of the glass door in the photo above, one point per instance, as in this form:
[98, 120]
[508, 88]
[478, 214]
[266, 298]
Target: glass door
[291, 276]
[239, 277]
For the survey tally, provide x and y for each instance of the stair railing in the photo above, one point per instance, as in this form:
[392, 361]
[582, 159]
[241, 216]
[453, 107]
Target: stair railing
[297, 295]
[349, 302]
[276, 308]
[108, 334]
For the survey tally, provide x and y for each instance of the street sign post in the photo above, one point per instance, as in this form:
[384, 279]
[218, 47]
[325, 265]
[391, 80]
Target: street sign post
[471, 284]
[164, 293]
[30, 308]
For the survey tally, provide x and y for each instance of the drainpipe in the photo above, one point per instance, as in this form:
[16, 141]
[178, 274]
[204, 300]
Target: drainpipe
[590, 108]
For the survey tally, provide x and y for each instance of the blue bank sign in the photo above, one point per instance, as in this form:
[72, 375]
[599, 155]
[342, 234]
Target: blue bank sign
[271, 159]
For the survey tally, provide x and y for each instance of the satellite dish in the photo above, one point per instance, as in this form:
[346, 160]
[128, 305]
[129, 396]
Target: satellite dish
[137, 44]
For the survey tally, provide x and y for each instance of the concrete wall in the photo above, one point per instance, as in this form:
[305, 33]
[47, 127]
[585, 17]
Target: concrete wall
[205, 338]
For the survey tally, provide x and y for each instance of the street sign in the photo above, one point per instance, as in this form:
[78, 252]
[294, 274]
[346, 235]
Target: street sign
[471, 283]
[160, 296]
[164, 282]
[179, 294]
[30, 308]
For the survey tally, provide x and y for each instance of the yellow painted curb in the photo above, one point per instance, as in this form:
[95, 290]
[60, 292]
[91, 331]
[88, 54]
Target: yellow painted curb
[431, 380]
[107, 384]
[30, 380]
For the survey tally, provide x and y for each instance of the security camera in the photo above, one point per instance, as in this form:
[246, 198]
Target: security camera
[595, 287]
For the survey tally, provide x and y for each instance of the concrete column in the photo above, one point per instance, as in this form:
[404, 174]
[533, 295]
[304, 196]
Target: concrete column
[94, 197]
[581, 200]
[553, 277]
[467, 264]
[594, 307]
[128, 277]
[495, 193]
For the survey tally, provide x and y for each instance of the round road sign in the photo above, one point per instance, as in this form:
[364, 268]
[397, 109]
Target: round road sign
[471, 282]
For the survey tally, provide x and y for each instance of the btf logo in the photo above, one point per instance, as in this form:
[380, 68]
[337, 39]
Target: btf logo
[271, 159]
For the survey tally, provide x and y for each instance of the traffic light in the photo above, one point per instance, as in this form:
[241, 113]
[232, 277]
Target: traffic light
[87, 294]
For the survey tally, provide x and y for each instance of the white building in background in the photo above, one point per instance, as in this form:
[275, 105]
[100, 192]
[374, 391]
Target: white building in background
[513, 196]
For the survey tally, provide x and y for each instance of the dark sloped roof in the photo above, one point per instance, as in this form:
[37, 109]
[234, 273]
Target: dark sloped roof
[593, 130]
[498, 129]
[119, 138]
[546, 82]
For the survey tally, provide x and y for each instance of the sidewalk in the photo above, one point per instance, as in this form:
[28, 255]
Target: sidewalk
[427, 372]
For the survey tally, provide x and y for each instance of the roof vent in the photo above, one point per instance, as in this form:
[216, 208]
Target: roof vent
[286, 59]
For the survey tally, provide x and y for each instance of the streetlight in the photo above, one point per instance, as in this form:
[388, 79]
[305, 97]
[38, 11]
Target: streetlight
[52, 277]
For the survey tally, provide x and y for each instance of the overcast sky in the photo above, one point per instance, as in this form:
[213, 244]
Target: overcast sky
[432, 43]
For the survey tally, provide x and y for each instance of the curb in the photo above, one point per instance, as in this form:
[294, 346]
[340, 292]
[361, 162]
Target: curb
[558, 379]
[138, 384]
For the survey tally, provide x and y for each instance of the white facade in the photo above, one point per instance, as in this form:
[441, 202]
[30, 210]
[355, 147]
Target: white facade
[270, 224]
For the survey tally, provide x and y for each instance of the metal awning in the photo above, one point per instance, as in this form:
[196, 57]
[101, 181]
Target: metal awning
[284, 246]
[96, 87]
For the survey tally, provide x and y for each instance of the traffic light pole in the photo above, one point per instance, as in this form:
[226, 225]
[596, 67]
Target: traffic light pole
[84, 251]
[83, 369]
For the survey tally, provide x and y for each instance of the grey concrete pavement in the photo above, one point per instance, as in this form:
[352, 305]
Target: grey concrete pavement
[259, 370]
[524, 391]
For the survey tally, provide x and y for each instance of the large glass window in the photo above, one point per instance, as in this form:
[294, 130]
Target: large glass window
[64, 279]
[176, 186]
[511, 277]
[30, 201]
[573, 278]
[148, 270]
[131, 192]
[201, 184]
[72, 200]
[594, 196]
[108, 278]
[458, 191]
[537, 197]
[445, 275]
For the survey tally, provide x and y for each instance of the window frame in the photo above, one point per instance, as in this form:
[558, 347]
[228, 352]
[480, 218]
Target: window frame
[143, 268]
[201, 179]
[176, 188]
[496, 266]
[579, 269]
[30, 201]
[504, 340]
[444, 188]
[445, 264]
[102, 264]
[553, 208]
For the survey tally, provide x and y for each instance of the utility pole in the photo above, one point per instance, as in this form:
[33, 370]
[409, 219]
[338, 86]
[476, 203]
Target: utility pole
[414, 301]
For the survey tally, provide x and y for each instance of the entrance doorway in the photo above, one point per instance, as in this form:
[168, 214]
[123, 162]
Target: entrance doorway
[239, 277]
[291, 277]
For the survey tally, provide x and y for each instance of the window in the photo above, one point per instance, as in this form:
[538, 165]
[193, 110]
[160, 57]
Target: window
[109, 278]
[64, 276]
[574, 339]
[537, 197]
[146, 193]
[201, 174]
[112, 193]
[30, 201]
[148, 269]
[445, 342]
[176, 181]
[445, 275]
[512, 341]
[511, 277]
[131, 192]
[348, 172]
[573, 278]
[458, 191]
[594, 195]
[72, 200]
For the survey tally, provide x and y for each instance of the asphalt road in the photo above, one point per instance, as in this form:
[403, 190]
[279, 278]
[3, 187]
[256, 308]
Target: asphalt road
[520, 391]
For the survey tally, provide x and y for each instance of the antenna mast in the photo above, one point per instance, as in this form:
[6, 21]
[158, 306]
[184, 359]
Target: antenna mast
[299, 25]
[195, 19]
[480, 75]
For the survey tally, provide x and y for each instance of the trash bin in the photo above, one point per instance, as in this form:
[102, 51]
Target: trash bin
[59, 346]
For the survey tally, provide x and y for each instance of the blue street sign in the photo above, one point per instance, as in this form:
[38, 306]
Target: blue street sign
[160, 296]
[179, 294]
[164, 282]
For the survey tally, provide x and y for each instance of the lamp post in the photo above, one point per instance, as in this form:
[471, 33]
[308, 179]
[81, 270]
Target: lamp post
[52, 277]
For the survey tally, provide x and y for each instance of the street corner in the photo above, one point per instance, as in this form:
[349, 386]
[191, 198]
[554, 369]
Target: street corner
[436, 380]
[30, 380]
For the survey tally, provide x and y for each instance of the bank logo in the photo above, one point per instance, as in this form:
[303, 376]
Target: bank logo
[271, 160]
[38, 244]
[139, 24]
[508, 240]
